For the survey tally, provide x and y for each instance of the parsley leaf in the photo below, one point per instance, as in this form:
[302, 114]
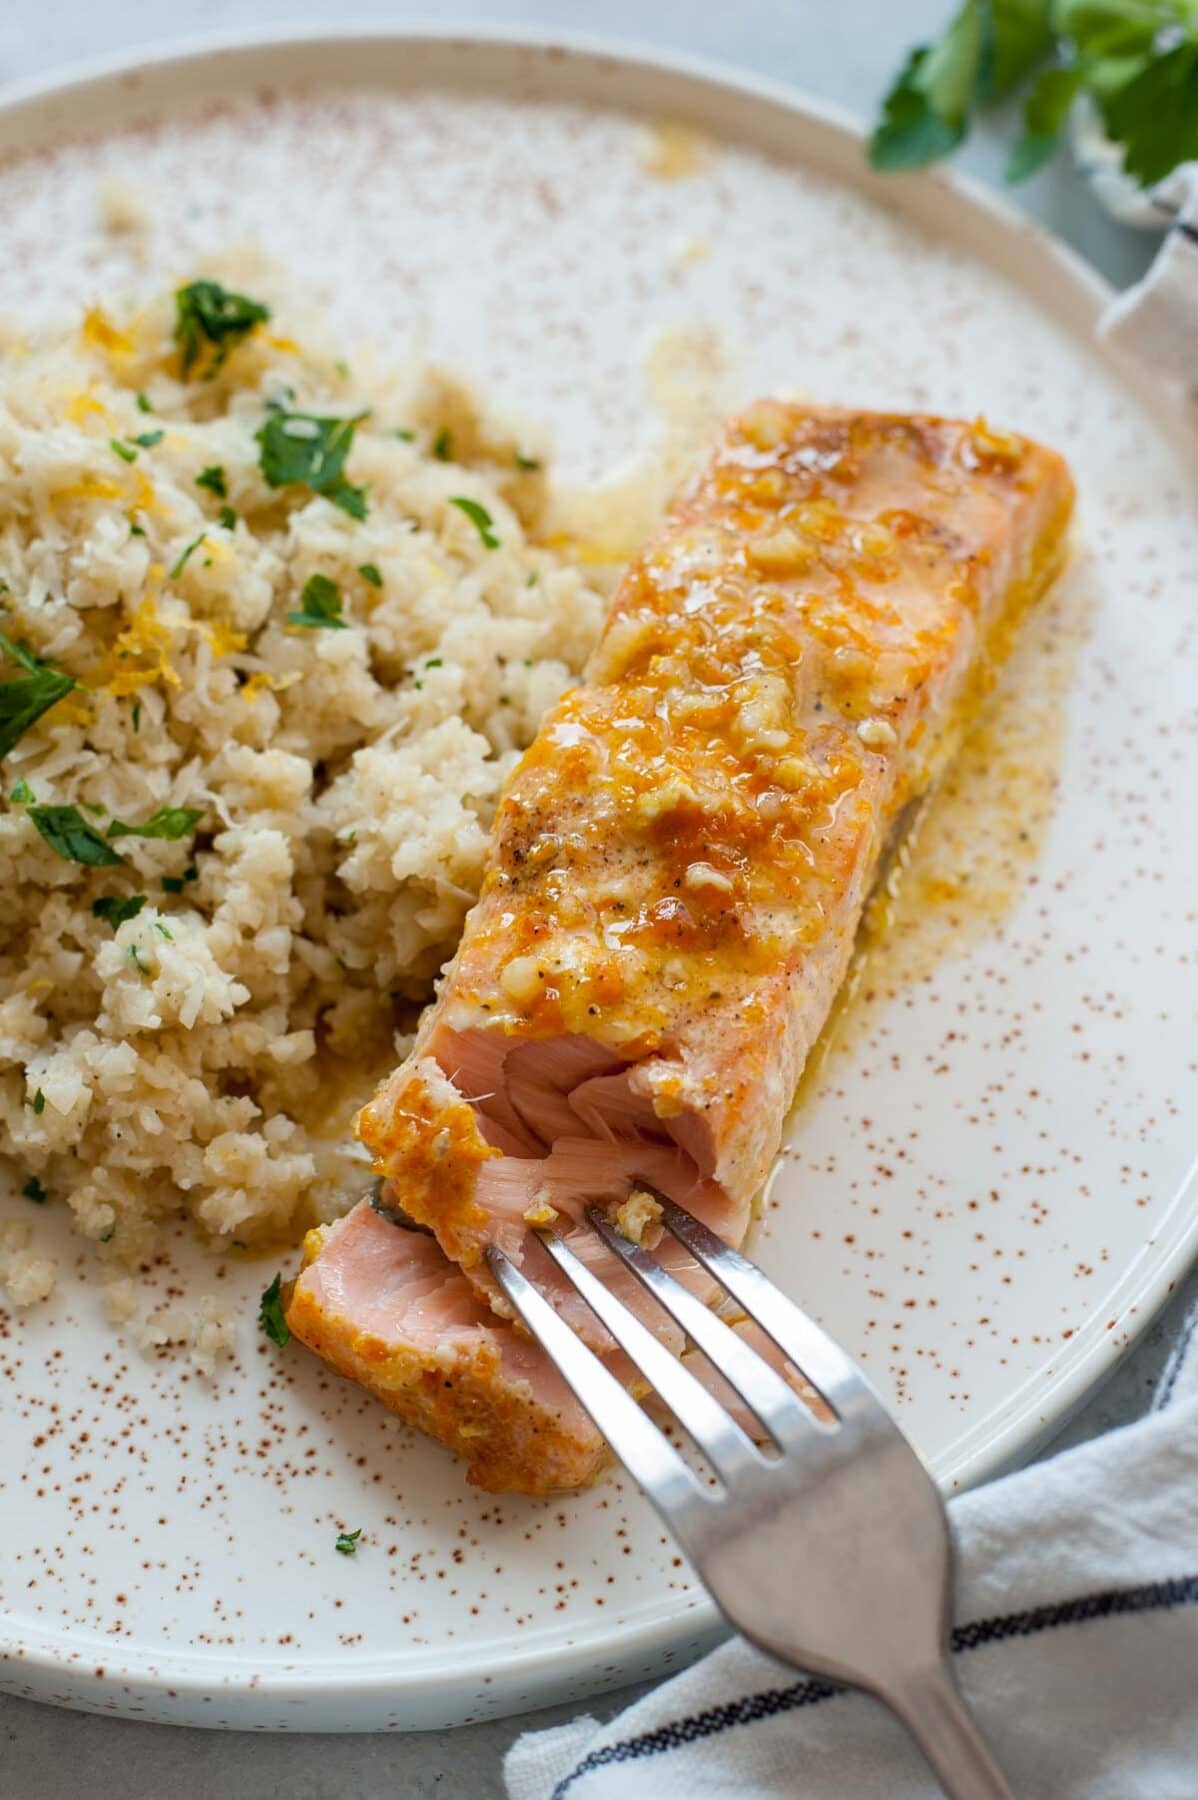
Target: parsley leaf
[369, 572]
[143, 404]
[1019, 36]
[26, 699]
[22, 793]
[33, 1190]
[170, 822]
[443, 446]
[479, 517]
[347, 1542]
[1044, 114]
[1136, 59]
[147, 439]
[38, 1103]
[270, 1314]
[925, 113]
[181, 560]
[213, 478]
[117, 911]
[527, 462]
[204, 310]
[320, 604]
[1155, 114]
[302, 447]
[226, 517]
[126, 452]
[70, 836]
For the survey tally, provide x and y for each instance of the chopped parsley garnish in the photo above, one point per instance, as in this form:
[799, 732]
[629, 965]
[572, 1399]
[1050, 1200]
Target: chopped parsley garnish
[70, 836]
[300, 447]
[479, 517]
[347, 1542]
[136, 717]
[162, 931]
[405, 437]
[147, 439]
[126, 452]
[181, 562]
[134, 955]
[443, 446]
[213, 478]
[226, 517]
[435, 662]
[206, 312]
[26, 699]
[190, 872]
[117, 911]
[172, 884]
[38, 1103]
[171, 822]
[22, 793]
[320, 604]
[527, 462]
[270, 1314]
[136, 530]
[33, 1190]
[369, 572]
[143, 404]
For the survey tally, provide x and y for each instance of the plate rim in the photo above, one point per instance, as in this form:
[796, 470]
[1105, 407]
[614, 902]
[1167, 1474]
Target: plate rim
[1041, 1405]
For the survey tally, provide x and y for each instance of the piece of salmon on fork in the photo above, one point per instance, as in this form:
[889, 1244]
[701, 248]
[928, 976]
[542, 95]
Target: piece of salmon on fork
[680, 860]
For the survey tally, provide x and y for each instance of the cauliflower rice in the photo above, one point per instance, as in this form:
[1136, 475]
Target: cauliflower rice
[192, 1028]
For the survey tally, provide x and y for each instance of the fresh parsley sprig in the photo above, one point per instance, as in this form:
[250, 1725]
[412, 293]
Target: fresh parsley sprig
[1137, 60]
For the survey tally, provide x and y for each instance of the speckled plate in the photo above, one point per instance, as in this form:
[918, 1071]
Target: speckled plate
[985, 1191]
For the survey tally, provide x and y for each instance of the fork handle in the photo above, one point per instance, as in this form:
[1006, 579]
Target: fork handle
[929, 1704]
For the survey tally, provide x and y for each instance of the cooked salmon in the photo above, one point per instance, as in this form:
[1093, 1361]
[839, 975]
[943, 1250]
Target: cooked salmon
[678, 868]
[386, 1307]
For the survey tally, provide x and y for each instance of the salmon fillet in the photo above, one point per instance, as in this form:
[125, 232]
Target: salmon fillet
[677, 871]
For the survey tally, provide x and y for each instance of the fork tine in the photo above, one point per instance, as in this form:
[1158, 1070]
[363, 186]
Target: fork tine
[810, 1349]
[636, 1440]
[760, 1387]
[729, 1450]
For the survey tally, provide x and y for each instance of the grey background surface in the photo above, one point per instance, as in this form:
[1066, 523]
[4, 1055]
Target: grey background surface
[845, 52]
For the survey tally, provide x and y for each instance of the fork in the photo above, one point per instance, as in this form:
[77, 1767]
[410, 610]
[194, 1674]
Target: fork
[833, 1554]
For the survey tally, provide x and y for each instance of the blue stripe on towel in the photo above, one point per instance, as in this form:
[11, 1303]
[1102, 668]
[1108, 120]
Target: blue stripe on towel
[1155, 1596]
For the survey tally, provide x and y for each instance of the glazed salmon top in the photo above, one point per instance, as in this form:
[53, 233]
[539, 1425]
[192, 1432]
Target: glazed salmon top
[680, 858]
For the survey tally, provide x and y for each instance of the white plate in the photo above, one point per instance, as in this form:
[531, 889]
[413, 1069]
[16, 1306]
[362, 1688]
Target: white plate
[986, 1192]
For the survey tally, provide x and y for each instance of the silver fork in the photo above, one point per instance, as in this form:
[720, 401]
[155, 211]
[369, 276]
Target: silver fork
[833, 1554]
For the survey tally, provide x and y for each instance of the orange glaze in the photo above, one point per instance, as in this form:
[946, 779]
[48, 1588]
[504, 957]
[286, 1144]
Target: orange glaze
[706, 792]
[680, 861]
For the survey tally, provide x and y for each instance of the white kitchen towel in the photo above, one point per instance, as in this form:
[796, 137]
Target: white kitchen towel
[1077, 1647]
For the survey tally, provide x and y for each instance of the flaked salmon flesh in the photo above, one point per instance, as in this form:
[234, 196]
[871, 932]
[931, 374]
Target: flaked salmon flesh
[677, 871]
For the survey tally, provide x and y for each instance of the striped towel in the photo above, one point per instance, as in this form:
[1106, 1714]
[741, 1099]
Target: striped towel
[1077, 1647]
